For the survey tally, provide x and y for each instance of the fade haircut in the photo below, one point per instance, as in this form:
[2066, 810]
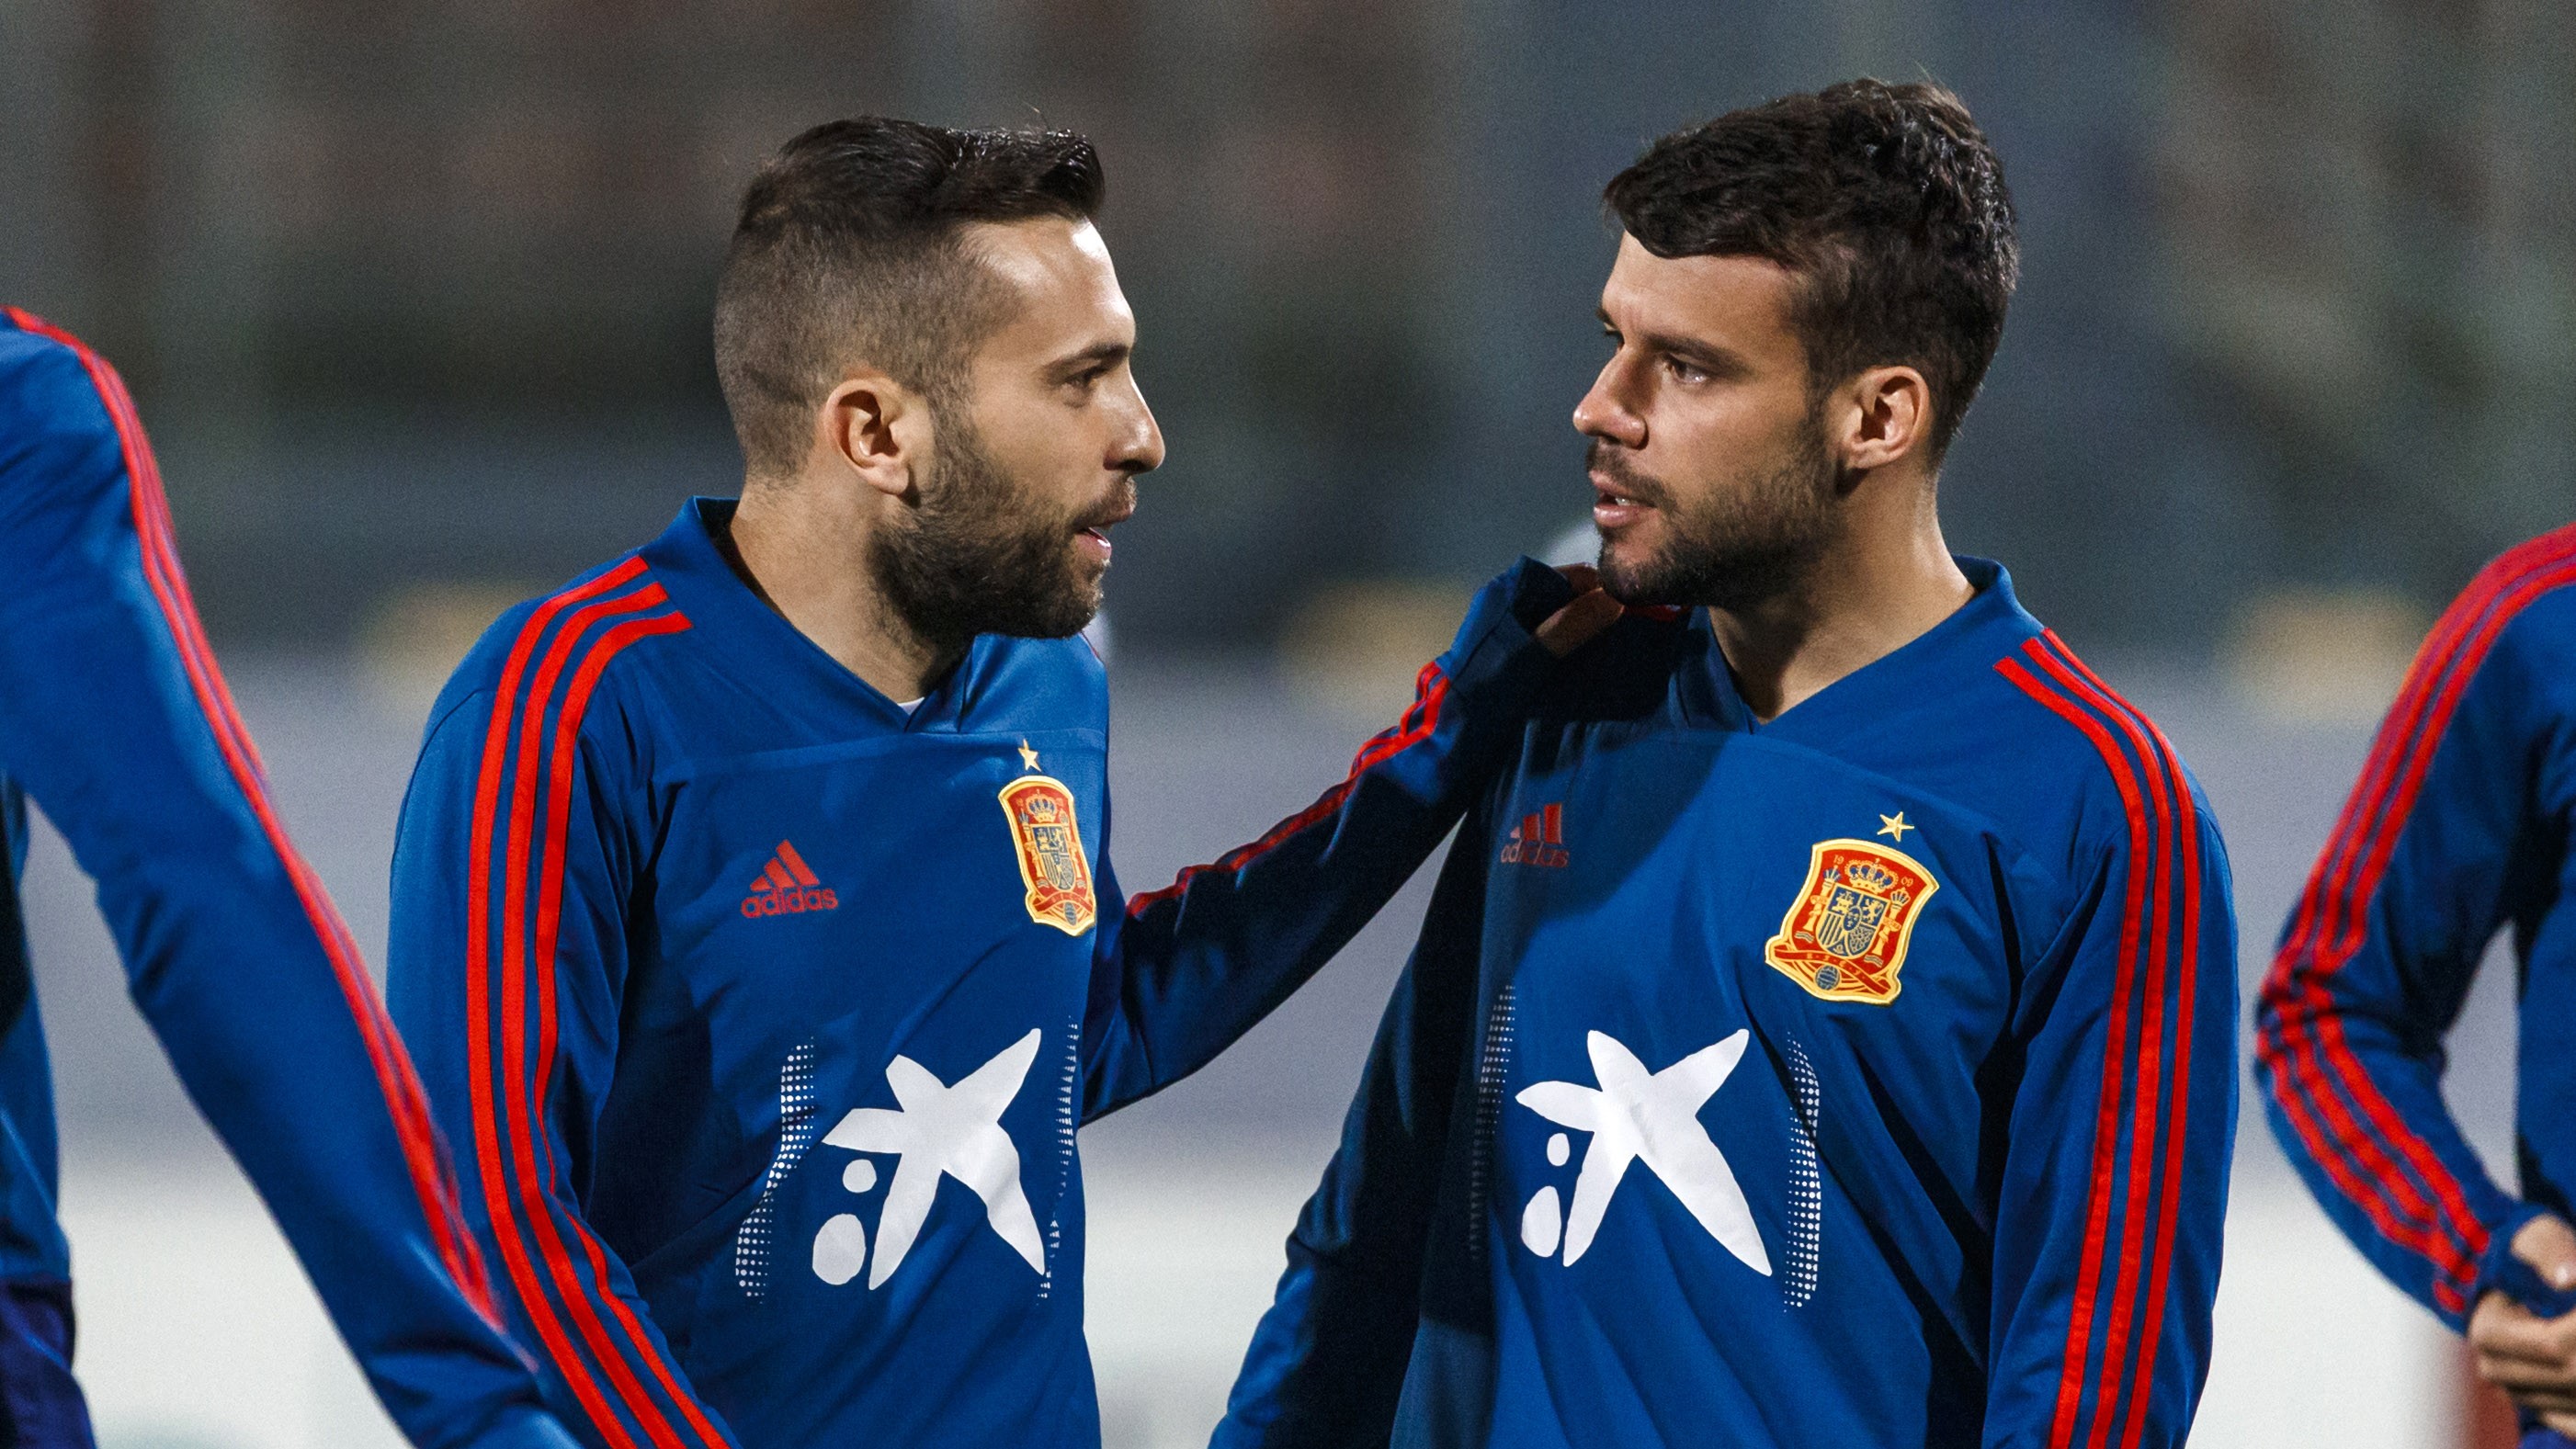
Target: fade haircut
[850, 248]
[1887, 203]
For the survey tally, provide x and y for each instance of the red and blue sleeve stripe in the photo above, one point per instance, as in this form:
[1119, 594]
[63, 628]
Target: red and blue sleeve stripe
[398, 1086]
[1420, 722]
[2344, 1119]
[2141, 1114]
[616, 1370]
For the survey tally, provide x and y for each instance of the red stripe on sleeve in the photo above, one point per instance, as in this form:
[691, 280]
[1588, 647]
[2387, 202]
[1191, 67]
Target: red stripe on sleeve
[397, 1084]
[2305, 1044]
[481, 1025]
[523, 1112]
[548, 924]
[2119, 1054]
[1420, 722]
[2181, 833]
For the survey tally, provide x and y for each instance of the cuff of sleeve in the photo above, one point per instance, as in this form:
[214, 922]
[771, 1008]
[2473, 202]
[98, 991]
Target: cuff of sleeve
[2501, 1272]
[522, 1429]
[1497, 659]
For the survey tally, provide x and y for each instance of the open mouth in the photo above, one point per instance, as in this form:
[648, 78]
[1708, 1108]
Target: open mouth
[1613, 507]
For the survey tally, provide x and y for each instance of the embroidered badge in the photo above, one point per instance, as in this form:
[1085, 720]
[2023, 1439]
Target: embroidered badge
[1844, 938]
[1050, 850]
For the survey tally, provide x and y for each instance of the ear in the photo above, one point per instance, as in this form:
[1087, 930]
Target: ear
[1884, 416]
[875, 428]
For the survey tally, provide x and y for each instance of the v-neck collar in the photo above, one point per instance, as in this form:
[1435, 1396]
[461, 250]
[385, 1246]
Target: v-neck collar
[1989, 625]
[703, 583]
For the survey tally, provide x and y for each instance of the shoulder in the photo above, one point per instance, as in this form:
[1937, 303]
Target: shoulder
[569, 651]
[2089, 774]
[1055, 677]
[44, 371]
[2516, 619]
[55, 418]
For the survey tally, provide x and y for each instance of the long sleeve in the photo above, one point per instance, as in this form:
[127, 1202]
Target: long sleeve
[1184, 971]
[514, 872]
[1327, 1366]
[116, 721]
[2120, 1126]
[2440, 844]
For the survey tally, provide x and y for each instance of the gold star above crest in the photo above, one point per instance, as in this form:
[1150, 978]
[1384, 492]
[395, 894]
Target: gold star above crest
[1895, 825]
[1028, 757]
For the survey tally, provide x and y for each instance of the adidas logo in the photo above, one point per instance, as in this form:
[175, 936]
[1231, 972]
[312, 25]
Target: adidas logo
[788, 887]
[1538, 840]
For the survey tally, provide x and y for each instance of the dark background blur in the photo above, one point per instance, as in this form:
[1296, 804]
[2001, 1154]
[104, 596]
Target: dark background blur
[414, 298]
[419, 292]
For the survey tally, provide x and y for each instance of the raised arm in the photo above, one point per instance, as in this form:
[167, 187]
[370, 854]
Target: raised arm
[1183, 971]
[116, 720]
[513, 874]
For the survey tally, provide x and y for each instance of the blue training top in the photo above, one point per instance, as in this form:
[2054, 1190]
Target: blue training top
[115, 720]
[763, 1013]
[2457, 829]
[1862, 1077]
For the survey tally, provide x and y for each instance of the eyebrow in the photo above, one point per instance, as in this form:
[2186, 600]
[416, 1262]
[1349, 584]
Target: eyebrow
[1102, 354]
[1717, 358]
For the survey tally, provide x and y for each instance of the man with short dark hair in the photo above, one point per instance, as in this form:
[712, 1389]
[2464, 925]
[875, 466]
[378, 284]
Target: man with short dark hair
[753, 915]
[1823, 1032]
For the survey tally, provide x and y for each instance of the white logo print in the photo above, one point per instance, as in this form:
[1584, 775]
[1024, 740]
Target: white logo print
[951, 1131]
[1636, 1115]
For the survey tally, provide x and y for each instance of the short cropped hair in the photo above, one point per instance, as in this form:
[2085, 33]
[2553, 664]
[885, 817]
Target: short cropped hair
[848, 249]
[1885, 200]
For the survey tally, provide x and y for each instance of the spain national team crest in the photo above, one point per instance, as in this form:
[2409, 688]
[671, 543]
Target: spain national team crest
[1844, 938]
[1050, 850]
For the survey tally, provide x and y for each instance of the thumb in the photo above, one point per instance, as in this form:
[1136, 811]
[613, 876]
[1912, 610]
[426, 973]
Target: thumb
[2549, 1246]
[1573, 626]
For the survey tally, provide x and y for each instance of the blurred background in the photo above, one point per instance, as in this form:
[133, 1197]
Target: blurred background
[414, 298]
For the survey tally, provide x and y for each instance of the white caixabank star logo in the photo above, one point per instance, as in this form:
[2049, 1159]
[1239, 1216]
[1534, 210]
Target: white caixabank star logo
[1638, 1116]
[939, 1130]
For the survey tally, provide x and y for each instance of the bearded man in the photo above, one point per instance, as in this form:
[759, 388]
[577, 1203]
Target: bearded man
[1824, 1031]
[753, 917]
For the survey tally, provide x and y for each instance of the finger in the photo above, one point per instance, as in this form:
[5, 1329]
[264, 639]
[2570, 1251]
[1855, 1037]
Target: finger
[1583, 576]
[2519, 1376]
[2564, 1423]
[2506, 1329]
[2549, 1246]
[1573, 626]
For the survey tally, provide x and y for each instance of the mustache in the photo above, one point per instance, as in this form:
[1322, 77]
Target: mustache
[1118, 505]
[1613, 463]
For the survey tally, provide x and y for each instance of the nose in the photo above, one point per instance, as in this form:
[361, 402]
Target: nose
[1139, 441]
[1604, 413]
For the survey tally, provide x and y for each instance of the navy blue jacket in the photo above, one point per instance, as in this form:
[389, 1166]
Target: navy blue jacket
[769, 1011]
[2458, 829]
[115, 720]
[1863, 1077]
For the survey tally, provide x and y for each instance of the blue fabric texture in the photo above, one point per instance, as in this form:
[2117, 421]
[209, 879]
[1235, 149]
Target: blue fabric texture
[764, 1013]
[115, 721]
[1863, 1076]
[2457, 832]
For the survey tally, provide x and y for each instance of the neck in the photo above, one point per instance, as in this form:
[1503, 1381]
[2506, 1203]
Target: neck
[1889, 579]
[803, 548]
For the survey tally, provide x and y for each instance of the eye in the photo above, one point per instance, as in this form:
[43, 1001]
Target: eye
[1685, 372]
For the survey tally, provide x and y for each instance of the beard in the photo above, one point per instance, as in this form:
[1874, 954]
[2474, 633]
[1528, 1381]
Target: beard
[1736, 546]
[982, 554]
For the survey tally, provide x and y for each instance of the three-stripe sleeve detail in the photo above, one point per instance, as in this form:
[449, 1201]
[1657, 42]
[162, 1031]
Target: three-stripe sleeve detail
[2347, 1124]
[1419, 723]
[2142, 1109]
[398, 1085]
[522, 804]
